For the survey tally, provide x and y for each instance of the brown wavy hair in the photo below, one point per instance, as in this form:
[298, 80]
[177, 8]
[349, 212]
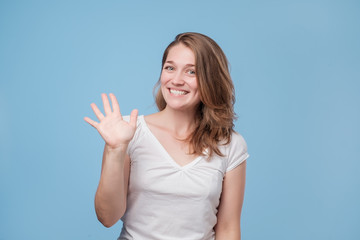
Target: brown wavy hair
[215, 114]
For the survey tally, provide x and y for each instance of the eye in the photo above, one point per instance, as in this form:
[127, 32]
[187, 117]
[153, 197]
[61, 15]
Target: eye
[169, 68]
[191, 72]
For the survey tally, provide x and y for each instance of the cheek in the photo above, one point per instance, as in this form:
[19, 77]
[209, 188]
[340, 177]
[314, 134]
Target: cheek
[163, 84]
[194, 85]
[163, 78]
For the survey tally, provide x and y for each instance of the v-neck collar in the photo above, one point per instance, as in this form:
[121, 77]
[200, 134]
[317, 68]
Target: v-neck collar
[165, 152]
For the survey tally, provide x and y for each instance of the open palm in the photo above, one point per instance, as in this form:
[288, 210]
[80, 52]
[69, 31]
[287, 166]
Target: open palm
[113, 129]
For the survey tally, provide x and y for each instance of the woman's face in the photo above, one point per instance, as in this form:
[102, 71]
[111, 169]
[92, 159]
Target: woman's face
[178, 79]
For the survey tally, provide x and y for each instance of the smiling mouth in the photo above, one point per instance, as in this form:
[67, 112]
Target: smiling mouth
[177, 92]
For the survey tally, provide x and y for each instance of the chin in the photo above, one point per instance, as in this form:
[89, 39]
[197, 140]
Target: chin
[180, 107]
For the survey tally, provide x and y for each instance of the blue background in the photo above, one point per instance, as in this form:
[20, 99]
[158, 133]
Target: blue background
[296, 69]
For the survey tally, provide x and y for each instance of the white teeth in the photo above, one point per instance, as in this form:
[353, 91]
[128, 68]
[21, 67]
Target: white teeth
[177, 92]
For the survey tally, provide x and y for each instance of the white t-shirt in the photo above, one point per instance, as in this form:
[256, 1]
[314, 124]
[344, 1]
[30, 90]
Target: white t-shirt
[168, 202]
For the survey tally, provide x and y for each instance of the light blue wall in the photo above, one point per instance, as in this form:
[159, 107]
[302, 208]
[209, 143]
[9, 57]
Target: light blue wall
[296, 68]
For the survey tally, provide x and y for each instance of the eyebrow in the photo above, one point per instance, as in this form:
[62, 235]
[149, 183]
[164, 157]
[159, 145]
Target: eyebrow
[187, 65]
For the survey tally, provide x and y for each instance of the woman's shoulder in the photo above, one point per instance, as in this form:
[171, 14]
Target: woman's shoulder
[144, 122]
[152, 119]
[237, 144]
[237, 139]
[236, 151]
[140, 119]
[140, 125]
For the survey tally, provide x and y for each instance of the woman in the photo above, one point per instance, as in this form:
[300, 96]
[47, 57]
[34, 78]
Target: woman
[178, 173]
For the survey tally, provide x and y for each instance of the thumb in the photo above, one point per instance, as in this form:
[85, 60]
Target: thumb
[133, 117]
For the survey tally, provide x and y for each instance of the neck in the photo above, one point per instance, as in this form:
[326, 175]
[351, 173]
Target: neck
[180, 123]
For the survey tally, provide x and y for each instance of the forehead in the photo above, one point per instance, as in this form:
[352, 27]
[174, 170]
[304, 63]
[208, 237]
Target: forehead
[181, 54]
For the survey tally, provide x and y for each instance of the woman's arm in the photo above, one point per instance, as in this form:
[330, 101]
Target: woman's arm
[110, 198]
[229, 211]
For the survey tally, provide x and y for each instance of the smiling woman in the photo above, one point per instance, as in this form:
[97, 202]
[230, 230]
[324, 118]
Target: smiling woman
[178, 173]
[178, 80]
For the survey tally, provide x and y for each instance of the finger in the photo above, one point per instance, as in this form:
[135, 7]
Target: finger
[115, 104]
[107, 107]
[97, 112]
[91, 122]
[133, 117]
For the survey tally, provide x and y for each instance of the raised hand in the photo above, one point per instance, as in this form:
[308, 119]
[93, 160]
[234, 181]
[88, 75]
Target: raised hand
[115, 131]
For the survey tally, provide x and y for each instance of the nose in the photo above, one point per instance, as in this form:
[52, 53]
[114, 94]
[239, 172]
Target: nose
[178, 79]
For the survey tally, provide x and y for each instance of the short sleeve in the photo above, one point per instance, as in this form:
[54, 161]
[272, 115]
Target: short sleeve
[237, 152]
